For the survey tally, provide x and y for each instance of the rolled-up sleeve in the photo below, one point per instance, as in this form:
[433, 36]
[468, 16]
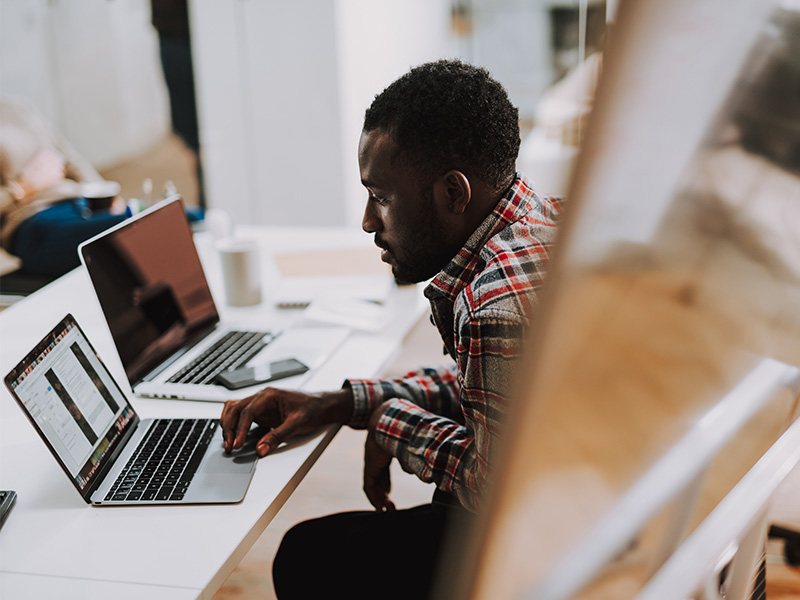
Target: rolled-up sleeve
[435, 389]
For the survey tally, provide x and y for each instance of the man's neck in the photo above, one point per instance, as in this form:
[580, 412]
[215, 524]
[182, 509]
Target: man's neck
[484, 200]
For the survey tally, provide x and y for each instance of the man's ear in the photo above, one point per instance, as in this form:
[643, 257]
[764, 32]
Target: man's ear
[453, 192]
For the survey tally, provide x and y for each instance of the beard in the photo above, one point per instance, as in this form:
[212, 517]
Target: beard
[421, 250]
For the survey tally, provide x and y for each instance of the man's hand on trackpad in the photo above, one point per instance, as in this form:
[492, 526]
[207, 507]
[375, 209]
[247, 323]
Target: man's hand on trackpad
[284, 413]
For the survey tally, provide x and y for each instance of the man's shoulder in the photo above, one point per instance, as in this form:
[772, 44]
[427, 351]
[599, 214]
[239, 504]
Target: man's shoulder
[531, 220]
[514, 262]
[520, 246]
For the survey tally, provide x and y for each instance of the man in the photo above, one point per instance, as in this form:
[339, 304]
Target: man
[437, 157]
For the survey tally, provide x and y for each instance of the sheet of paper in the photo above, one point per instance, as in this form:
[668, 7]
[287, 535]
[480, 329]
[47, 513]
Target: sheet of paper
[339, 261]
[299, 292]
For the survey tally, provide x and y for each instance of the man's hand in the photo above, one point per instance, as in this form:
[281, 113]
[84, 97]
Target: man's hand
[377, 478]
[286, 413]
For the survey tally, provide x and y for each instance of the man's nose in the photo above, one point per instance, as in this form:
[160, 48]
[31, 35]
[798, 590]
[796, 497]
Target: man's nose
[371, 223]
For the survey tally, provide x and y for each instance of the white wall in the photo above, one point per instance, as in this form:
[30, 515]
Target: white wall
[282, 86]
[26, 59]
[379, 40]
[512, 39]
[92, 67]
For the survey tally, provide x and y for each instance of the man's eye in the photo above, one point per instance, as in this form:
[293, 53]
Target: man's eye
[379, 200]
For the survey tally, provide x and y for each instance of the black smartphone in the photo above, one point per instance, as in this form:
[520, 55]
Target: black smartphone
[239, 378]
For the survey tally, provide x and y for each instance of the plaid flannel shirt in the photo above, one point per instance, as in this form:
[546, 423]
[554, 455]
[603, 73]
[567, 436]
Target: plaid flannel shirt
[444, 424]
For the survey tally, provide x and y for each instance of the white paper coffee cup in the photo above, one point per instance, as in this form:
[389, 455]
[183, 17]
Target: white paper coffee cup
[241, 271]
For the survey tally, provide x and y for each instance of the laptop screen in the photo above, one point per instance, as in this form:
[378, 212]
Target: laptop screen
[72, 400]
[151, 286]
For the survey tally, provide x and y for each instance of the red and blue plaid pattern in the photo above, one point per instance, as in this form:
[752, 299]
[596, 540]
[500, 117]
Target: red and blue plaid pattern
[444, 424]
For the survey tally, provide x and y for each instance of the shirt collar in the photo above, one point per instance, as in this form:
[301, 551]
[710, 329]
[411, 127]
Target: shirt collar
[460, 271]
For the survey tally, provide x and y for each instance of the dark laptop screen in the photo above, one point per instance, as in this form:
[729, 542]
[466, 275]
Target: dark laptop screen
[151, 286]
[74, 403]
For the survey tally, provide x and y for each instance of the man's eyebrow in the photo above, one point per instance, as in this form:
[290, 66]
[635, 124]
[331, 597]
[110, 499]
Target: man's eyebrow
[370, 184]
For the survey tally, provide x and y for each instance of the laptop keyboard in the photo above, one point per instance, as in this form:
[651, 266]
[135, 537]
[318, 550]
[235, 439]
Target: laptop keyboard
[231, 351]
[166, 461]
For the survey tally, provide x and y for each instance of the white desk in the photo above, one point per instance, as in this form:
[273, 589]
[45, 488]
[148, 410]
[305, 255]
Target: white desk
[55, 545]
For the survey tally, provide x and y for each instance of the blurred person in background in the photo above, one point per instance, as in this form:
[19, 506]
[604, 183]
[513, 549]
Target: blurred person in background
[170, 19]
[44, 214]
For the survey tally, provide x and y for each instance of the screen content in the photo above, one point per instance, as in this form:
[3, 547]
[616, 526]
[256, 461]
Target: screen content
[70, 395]
[151, 287]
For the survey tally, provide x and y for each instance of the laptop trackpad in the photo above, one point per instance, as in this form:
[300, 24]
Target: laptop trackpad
[240, 461]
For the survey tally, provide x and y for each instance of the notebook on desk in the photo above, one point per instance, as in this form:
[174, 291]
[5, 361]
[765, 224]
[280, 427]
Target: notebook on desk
[108, 452]
[153, 291]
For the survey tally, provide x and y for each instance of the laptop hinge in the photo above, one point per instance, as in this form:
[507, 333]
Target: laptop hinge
[175, 356]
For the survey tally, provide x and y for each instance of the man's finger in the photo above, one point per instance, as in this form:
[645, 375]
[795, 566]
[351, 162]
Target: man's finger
[377, 485]
[378, 496]
[372, 494]
[242, 427]
[274, 438]
[228, 420]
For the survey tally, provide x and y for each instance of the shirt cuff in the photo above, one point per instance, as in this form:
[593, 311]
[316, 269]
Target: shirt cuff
[364, 402]
[397, 425]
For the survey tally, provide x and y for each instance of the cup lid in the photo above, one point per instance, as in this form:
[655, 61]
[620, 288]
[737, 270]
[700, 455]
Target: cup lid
[232, 244]
[100, 189]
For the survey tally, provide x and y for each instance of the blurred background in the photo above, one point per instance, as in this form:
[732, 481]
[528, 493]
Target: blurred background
[280, 86]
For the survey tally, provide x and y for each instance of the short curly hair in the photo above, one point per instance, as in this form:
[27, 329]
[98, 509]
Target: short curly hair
[450, 115]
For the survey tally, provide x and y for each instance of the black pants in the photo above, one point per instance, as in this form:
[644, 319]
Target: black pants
[365, 554]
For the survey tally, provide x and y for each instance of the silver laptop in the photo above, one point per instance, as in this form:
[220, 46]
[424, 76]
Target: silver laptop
[111, 456]
[153, 291]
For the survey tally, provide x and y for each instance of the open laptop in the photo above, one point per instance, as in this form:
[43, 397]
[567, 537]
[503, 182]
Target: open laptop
[150, 283]
[110, 454]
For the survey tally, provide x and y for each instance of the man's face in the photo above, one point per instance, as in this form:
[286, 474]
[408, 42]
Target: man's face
[401, 211]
